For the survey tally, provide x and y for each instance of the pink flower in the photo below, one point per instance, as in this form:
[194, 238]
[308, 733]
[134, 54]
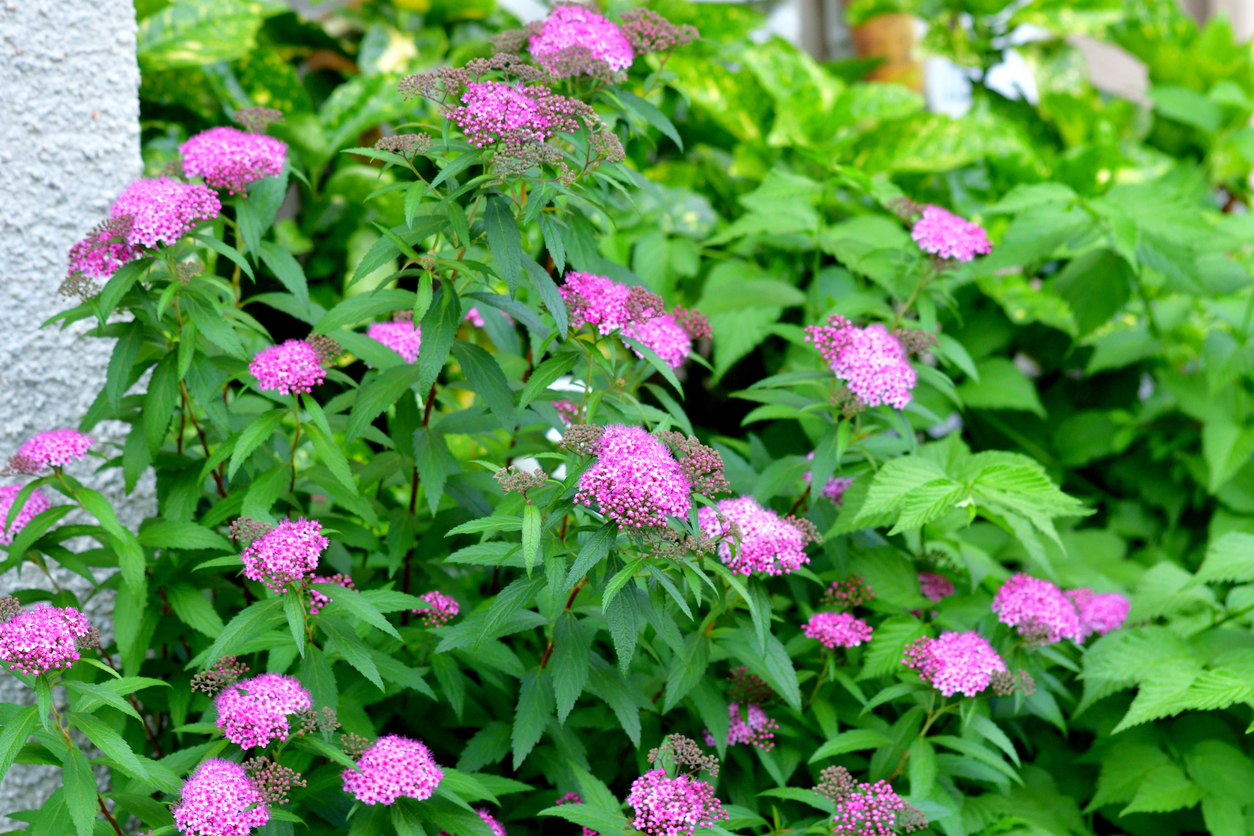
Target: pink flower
[254, 712]
[956, 662]
[767, 544]
[43, 638]
[577, 28]
[595, 300]
[55, 448]
[949, 236]
[104, 250]
[403, 337]
[935, 587]
[493, 112]
[869, 810]
[635, 480]
[835, 487]
[443, 609]
[219, 799]
[286, 555]
[163, 210]
[318, 600]
[755, 728]
[393, 767]
[35, 505]
[663, 334]
[673, 806]
[1037, 609]
[1099, 613]
[498, 829]
[474, 317]
[837, 629]
[228, 158]
[573, 798]
[290, 367]
[870, 360]
[569, 410]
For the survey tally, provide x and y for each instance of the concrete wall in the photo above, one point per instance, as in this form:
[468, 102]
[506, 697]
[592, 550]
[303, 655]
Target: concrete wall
[69, 142]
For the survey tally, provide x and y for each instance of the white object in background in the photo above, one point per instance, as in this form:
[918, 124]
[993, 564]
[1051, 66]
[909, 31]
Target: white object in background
[525, 10]
[947, 86]
[1013, 78]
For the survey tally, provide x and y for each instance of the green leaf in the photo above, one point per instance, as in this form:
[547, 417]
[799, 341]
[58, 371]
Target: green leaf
[1229, 559]
[548, 293]
[172, 534]
[650, 356]
[438, 329]
[1164, 788]
[332, 456]
[1188, 107]
[649, 113]
[213, 325]
[1096, 285]
[318, 746]
[80, 791]
[35, 529]
[433, 459]
[194, 610]
[258, 431]
[535, 706]
[686, 669]
[621, 614]
[130, 553]
[532, 522]
[504, 240]
[110, 743]
[605, 822]
[286, 269]
[774, 666]
[855, 740]
[294, 611]
[354, 651]
[357, 309]
[608, 684]
[13, 737]
[888, 645]
[99, 693]
[570, 660]
[379, 394]
[193, 33]
[488, 381]
[544, 375]
[318, 677]
[358, 605]
[251, 621]
[1001, 386]
[121, 361]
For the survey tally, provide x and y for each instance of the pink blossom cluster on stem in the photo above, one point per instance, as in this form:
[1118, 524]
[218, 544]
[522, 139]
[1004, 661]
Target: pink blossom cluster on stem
[285, 556]
[837, 629]
[768, 544]
[1099, 613]
[635, 481]
[753, 728]
[290, 367]
[254, 711]
[955, 663]
[573, 798]
[441, 610]
[36, 503]
[44, 638]
[611, 307]
[219, 799]
[402, 336]
[54, 448]
[935, 587]
[870, 360]
[1037, 609]
[835, 487]
[944, 234]
[577, 28]
[317, 599]
[228, 158]
[393, 767]
[665, 806]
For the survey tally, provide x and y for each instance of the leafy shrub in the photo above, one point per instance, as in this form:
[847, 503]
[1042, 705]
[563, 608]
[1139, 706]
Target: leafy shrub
[686, 468]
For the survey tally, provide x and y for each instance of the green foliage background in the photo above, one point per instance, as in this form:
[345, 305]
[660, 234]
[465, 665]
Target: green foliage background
[1104, 348]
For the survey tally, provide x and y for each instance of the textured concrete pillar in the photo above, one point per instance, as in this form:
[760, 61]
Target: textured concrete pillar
[69, 142]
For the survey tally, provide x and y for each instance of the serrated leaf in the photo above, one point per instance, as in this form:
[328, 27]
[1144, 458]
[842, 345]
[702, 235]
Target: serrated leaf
[194, 610]
[570, 660]
[504, 240]
[854, 740]
[535, 706]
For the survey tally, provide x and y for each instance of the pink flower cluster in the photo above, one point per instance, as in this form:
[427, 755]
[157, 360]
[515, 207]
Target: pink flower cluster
[1037, 609]
[768, 544]
[870, 360]
[573, 798]
[228, 158]
[569, 410]
[55, 448]
[318, 600]
[163, 210]
[289, 367]
[1099, 613]
[935, 587]
[393, 767]
[286, 555]
[673, 806]
[754, 728]
[254, 711]
[945, 234]
[43, 638]
[403, 337]
[443, 609]
[955, 662]
[496, 827]
[835, 487]
[608, 305]
[577, 28]
[635, 480]
[837, 629]
[219, 799]
[35, 505]
[496, 112]
[103, 251]
[868, 810]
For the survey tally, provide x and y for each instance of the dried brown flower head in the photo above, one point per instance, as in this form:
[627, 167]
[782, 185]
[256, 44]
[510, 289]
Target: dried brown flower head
[222, 675]
[257, 119]
[582, 439]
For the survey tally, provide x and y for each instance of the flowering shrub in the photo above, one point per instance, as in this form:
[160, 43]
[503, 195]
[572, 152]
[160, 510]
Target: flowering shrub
[632, 478]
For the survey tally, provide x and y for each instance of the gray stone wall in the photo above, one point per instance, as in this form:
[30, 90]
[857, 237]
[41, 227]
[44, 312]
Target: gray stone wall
[69, 142]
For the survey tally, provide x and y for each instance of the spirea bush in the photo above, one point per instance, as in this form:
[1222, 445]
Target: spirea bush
[445, 551]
